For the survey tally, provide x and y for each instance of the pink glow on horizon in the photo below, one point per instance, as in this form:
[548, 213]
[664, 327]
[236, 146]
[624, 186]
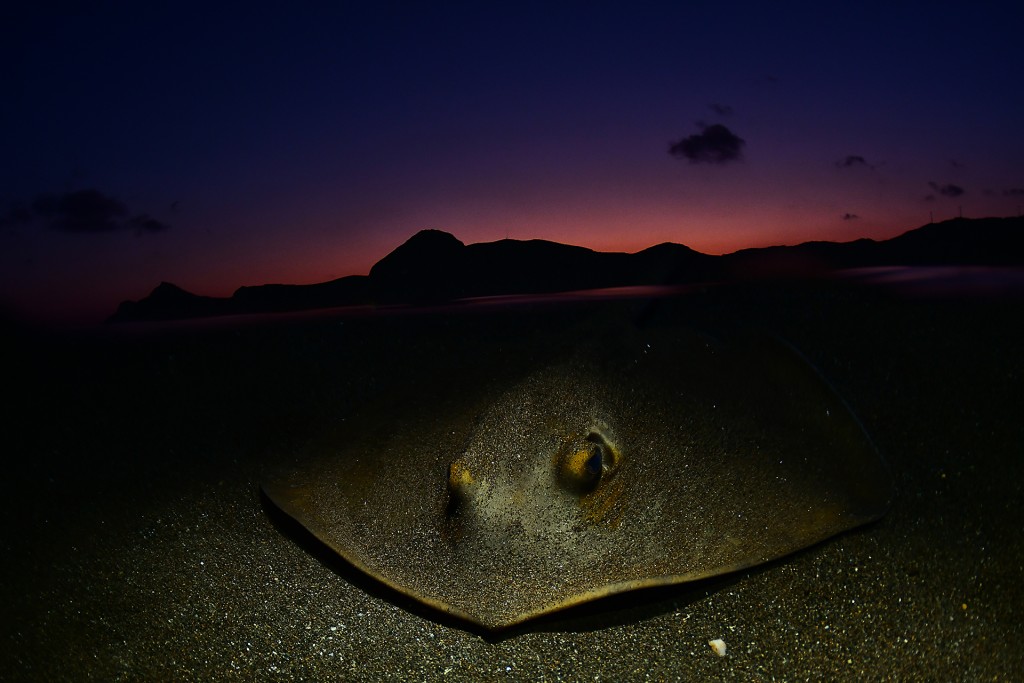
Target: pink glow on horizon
[313, 263]
[72, 293]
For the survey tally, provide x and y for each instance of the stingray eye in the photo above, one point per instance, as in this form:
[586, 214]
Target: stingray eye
[460, 481]
[585, 464]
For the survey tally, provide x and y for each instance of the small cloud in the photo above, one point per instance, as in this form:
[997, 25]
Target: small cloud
[948, 190]
[716, 144]
[850, 217]
[957, 164]
[83, 212]
[1013, 192]
[853, 160]
[80, 211]
[146, 223]
[721, 109]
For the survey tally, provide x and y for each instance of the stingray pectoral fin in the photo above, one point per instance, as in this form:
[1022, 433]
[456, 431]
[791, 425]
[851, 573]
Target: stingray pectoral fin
[835, 440]
[300, 503]
[684, 459]
[297, 501]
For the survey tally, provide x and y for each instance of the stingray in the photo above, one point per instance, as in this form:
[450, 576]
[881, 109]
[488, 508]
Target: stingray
[670, 459]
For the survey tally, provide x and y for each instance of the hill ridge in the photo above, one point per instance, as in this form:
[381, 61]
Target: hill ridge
[434, 266]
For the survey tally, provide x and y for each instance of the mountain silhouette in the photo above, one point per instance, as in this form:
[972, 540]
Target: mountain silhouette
[434, 266]
[169, 302]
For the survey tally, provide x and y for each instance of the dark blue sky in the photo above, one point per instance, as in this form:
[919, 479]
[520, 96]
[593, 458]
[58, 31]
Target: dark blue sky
[219, 148]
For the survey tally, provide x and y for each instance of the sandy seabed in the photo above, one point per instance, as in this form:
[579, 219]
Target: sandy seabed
[137, 545]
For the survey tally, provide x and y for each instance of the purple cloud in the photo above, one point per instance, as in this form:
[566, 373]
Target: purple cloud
[82, 212]
[948, 190]
[716, 144]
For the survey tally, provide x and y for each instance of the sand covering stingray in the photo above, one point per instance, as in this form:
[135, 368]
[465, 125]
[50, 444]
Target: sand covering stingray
[678, 458]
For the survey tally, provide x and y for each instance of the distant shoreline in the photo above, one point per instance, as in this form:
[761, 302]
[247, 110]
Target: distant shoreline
[434, 267]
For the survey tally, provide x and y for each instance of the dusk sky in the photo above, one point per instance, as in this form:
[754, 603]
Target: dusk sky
[215, 148]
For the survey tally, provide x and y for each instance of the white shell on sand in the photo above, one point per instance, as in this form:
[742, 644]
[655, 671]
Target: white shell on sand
[718, 645]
